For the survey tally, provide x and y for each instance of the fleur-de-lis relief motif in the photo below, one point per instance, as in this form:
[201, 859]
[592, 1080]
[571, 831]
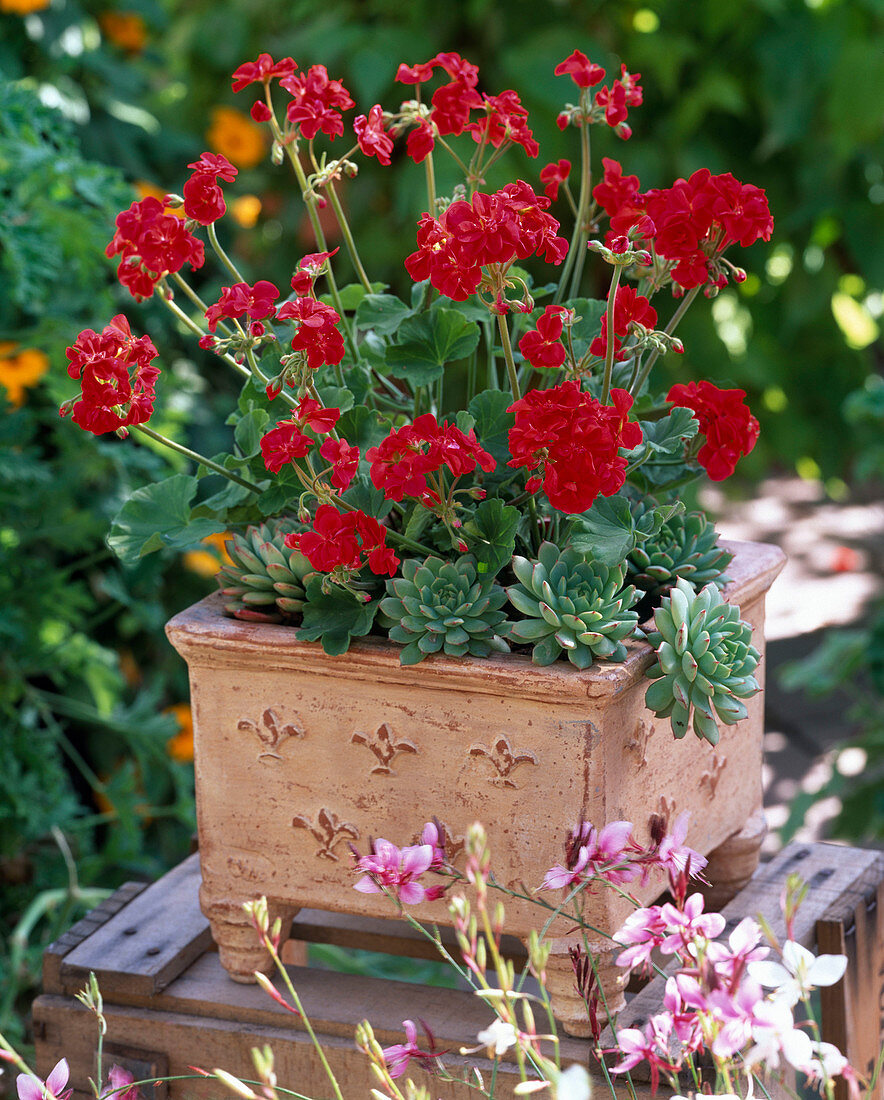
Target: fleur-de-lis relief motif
[384, 747]
[711, 776]
[272, 732]
[640, 741]
[504, 760]
[667, 809]
[328, 832]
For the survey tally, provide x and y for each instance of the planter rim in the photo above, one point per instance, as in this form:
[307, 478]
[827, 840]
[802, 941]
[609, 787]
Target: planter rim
[204, 636]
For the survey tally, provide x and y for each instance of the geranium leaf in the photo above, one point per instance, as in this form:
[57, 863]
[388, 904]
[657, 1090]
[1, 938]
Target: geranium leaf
[335, 617]
[382, 313]
[493, 422]
[606, 533]
[491, 535]
[429, 341]
[159, 516]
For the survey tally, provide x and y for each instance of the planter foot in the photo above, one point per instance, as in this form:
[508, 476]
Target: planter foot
[734, 862]
[567, 1004]
[240, 950]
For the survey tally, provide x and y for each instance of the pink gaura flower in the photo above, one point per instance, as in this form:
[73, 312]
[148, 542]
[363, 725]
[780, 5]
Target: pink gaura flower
[32, 1088]
[641, 934]
[684, 926]
[673, 854]
[650, 1045]
[397, 870]
[398, 1055]
[590, 854]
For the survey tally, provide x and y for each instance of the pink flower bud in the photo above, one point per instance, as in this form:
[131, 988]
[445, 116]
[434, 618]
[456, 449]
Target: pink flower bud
[619, 245]
[739, 275]
[207, 342]
[462, 546]
[643, 258]
[677, 346]
[260, 112]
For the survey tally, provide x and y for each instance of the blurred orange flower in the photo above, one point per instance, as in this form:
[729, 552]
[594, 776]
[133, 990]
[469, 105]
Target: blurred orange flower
[23, 7]
[150, 190]
[246, 210]
[125, 29]
[235, 136]
[20, 369]
[180, 747]
[207, 562]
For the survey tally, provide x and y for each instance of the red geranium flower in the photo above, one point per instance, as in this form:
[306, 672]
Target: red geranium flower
[727, 423]
[117, 379]
[152, 244]
[287, 440]
[346, 540]
[629, 306]
[317, 333]
[542, 346]
[573, 443]
[316, 102]
[554, 175]
[583, 72]
[344, 460]
[242, 300]
[373, 140]
[261, 71]
[203, 198]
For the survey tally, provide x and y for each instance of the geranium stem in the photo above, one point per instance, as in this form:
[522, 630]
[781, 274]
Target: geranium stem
[348, 236]
[684, 306]
[579, 236]
[508, 355]
[611, 343]
[222, 255]
[195, 457]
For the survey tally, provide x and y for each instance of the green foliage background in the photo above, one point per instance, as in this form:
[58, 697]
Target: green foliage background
[785, 94]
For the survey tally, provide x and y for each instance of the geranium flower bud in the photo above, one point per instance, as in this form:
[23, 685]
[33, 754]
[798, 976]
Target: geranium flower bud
[260, 112]
[277, 153]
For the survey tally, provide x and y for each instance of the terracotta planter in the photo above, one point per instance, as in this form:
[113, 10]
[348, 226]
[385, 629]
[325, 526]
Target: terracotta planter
[299, 754]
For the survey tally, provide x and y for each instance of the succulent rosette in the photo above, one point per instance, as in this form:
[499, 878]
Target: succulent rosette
[490, 456]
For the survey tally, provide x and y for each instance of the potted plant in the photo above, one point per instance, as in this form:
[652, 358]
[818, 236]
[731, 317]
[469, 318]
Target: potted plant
[451, 511]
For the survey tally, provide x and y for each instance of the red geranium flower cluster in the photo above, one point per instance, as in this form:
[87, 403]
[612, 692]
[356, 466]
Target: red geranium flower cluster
[572, 441]
[152, 244]
[401, 462]
[615, 194]
[317, 102]
[612, 103]
[203, 198]
[491, 229]
[287, 441]
[117, 379]
[345, 540]
[242, 300]
[373, 139]
[727, 423]
[629, 306]
[317, 336]
[542, 346]
[504, 118]
[699, 217]
[310, 267]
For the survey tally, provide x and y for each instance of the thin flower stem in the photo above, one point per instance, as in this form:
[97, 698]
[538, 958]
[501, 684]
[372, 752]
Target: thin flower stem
[609, 347]
[508, 355]
[197, 301]
[347, 235]
[684, 306]
[194, 457]
[264, 380]
[195, 328]
[582, 205]
[221, 254]
[431, 184]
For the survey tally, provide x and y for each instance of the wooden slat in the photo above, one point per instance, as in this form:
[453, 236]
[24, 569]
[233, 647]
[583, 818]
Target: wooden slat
[391, 937]
[147, 942]
[77, 933]
[852, 1010]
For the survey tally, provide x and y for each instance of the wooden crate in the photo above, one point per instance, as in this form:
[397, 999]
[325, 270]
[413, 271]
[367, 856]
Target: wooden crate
[170, 1005]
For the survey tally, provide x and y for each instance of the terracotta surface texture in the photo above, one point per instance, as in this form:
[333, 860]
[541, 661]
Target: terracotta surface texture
[300, 755]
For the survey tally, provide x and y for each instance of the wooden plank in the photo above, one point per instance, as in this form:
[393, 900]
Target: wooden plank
[147, 942]
[853, 1010]
[56, 951]
[391, 937]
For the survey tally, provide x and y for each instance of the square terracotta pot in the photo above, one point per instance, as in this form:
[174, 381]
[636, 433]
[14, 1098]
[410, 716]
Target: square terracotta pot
[299, 754]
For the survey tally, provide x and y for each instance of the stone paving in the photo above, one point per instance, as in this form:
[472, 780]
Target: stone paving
[832, 578]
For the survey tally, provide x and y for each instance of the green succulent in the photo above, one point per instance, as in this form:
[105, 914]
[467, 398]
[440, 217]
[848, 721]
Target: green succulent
[705, 661]
[444, 606]
[573, 605]
[686, 546]
[265, 581]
